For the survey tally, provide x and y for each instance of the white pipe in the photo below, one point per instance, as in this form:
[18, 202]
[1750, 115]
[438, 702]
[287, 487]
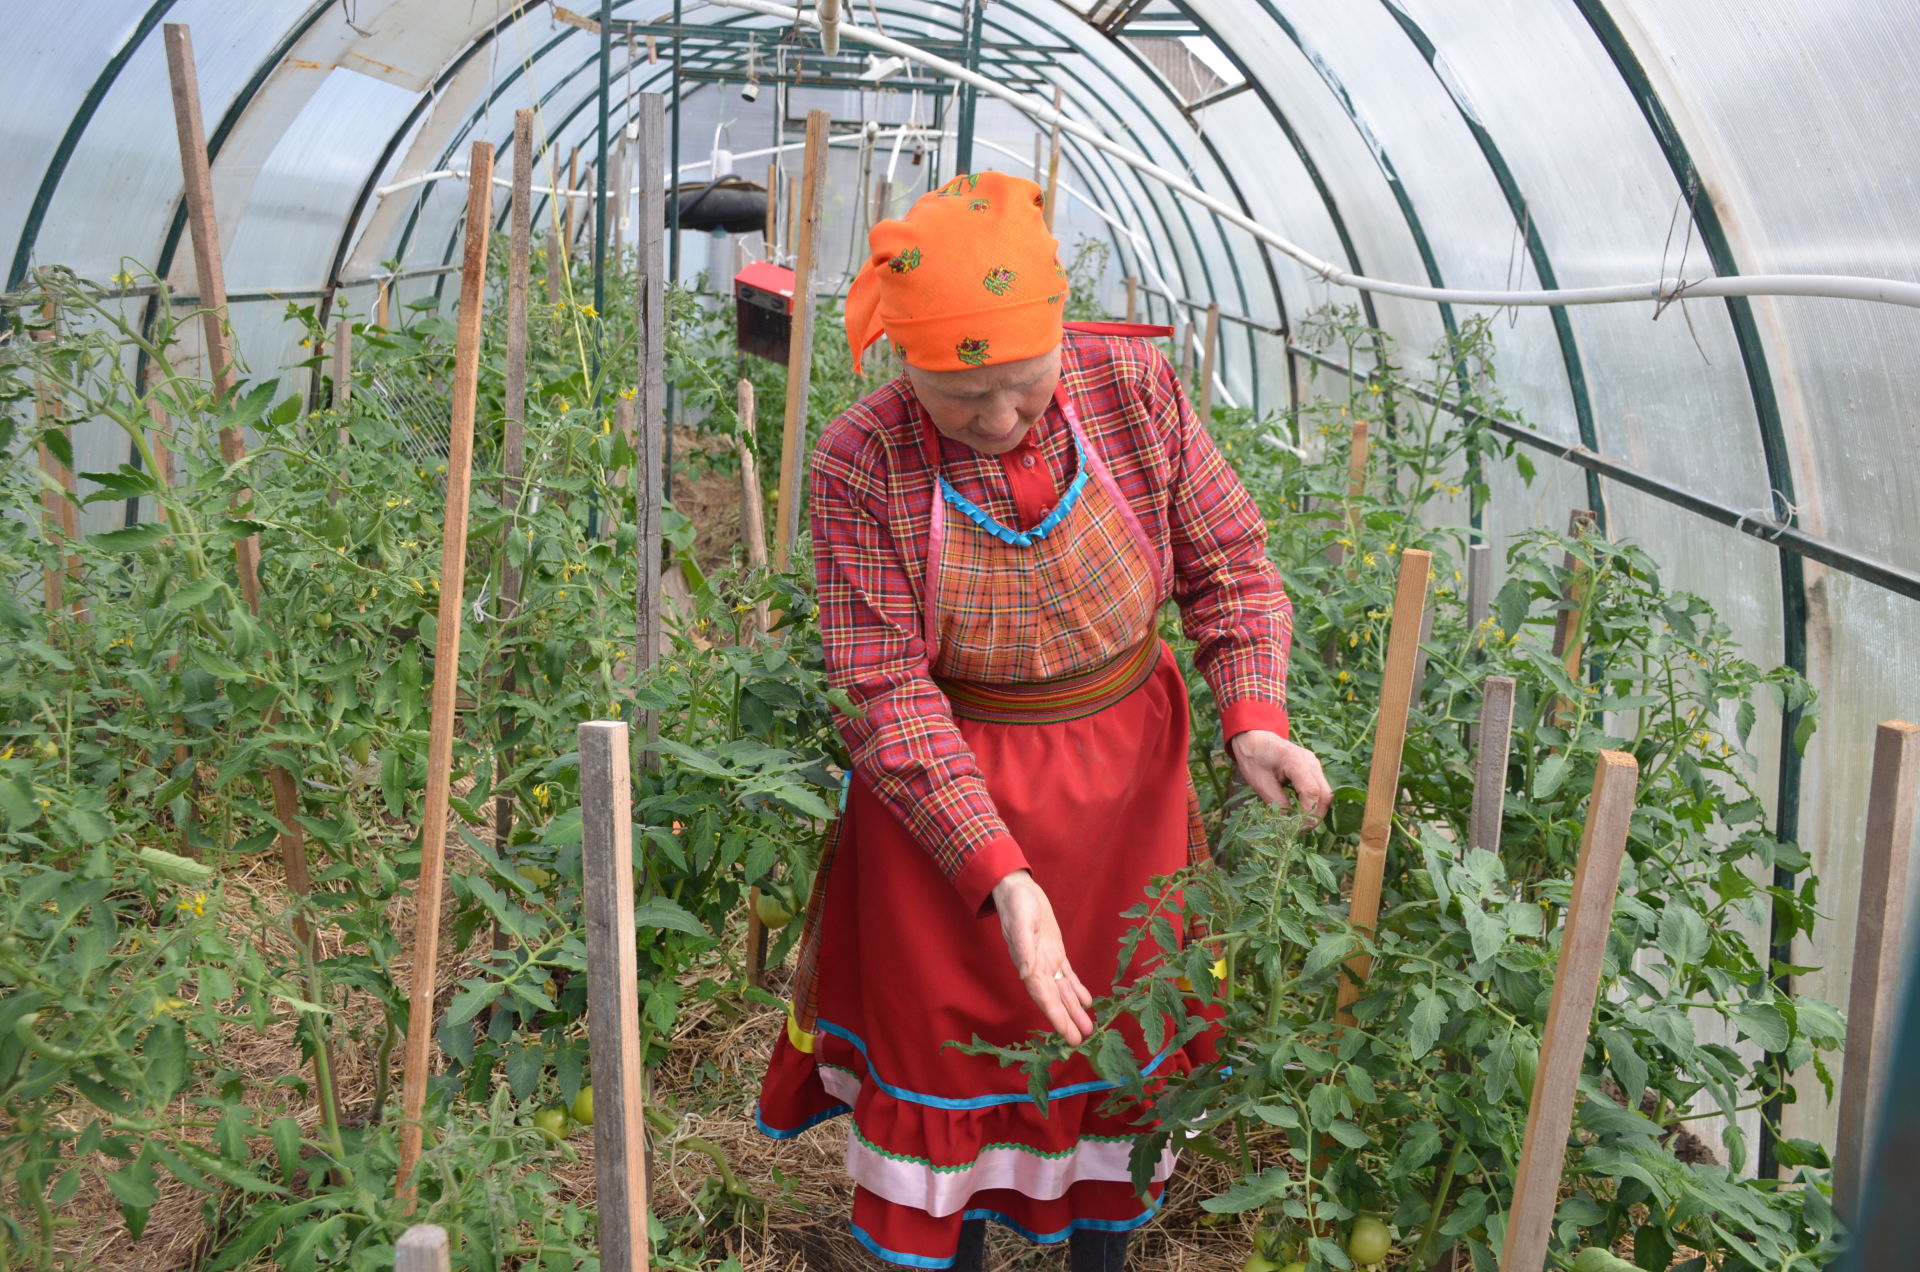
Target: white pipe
[1664, 290]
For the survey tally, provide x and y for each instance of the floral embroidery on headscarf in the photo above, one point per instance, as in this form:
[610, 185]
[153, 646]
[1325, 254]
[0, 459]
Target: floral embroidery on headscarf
[999, 282]
[978, 205]
[973, 352]
[909, 259]
[962, 184]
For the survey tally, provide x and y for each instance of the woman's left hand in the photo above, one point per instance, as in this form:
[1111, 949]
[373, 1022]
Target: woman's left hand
[1269, 763]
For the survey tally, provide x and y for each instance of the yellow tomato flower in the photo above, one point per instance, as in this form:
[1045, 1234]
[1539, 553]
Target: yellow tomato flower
[1344, 676]
[1219, 969]
[589, 311]
[1369, 559]
[195, 905]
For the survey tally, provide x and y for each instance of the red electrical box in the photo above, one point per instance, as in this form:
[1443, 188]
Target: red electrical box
[763, 310]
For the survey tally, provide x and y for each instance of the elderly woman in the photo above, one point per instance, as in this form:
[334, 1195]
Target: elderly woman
[994, 533]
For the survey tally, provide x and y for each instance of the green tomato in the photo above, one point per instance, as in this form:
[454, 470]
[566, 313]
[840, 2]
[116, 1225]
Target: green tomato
[583, 1106]
[1258, 1262]
[1600, 1259]
[552, 1124]
[536, 876]
[1294, 1267]
[773, 912]
[1368, 1243]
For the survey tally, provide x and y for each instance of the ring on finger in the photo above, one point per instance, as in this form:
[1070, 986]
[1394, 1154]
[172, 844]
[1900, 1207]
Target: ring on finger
[1059, 976]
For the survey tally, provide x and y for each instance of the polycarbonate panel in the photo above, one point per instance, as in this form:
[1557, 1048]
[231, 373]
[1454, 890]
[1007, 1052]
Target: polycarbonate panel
[1868, 668]
[1346, 164]
[1670, 397]
[1846, 375]
[1363, 63]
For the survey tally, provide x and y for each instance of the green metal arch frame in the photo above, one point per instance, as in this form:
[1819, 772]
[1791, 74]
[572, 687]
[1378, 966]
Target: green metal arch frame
[552, 136]
[70, 140]
[1773, 447]
[589, 63]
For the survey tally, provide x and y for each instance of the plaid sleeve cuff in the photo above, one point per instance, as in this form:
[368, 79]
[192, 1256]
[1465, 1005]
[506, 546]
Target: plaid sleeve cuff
[987, 865]
[1239, 717]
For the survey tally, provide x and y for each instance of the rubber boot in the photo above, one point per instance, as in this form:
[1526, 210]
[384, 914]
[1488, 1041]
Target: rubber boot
[1097, 1251]
[972, 1254]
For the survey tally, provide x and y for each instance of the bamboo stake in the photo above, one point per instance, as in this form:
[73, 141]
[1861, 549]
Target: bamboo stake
[1209, 347]
[613, 995]
[58, 512]
[1383, 781]
[1490, 764]
[1053, 156]
[1583, 948]
[1873, 1000]
[423, 1248]
[446, 663]
[205, 233]
[651, 376]
[800, 352]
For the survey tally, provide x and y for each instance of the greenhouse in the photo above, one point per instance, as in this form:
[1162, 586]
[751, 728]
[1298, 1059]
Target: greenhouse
[1171, 634]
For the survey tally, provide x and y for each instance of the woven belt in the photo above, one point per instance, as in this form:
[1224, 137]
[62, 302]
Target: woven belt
[1054, 701]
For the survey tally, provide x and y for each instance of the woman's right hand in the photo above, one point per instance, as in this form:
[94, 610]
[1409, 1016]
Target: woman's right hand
[1038, 952]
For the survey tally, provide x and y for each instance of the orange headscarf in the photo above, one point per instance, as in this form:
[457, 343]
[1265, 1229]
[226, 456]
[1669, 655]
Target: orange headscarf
[969, 277]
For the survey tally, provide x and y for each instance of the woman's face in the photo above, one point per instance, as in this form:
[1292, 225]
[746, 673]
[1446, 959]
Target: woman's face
[988, 408]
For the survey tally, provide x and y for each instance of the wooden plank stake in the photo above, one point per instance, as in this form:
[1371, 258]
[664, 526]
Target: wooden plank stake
[753, 534]
[1490, 764]
[205, 232]
[1383, 781]
[1479, 586]
[1873, 1001]
[650, 272]
[446, 662]
[1583, 948]
[212, 278]
[616, 178]
[573, 183]
[793, 219]
[800, 353]
[513, 444]
[61, 520]
[1209, 347]
[613, 995]
[423, 1248]
[382, 311]
[1133, 299]
[1186, 353]
[1356, 489]
[1053, 157]
[882, 202]
[772, 233]
[1568, 637]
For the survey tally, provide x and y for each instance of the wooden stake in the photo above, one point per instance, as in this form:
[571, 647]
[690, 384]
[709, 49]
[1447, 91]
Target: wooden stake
[1209, 347]
[800, 352]
[772, 233]
[753, 534]
[556, 237]
[1490, 764]
[212, 279]
[882, 201]
[446, 662]
[423, 1248]
[1479, 586]
[58, 512]
[1133, 299]
[793, 219]
[1186, 352]
[1583, 948]
[513, 444]
[382, 311]
[1383, 781]
[1568, 636]
[1053, 157]
[205, 231]
[1356, 490]
[1879, 934]
[616, 178]
[651, 377]
[613, 995]
[573, 183]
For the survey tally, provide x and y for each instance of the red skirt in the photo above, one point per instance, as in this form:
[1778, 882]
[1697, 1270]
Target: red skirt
[1100, 804]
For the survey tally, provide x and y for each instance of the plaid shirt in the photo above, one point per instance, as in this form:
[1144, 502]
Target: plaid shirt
[871, 492]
